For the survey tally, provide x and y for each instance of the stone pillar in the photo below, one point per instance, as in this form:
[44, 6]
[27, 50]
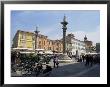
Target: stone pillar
[64, 23]
[64, 41]
[36, 38]
[64, 57]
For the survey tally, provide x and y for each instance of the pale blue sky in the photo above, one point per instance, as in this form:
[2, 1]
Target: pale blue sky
[48, 22]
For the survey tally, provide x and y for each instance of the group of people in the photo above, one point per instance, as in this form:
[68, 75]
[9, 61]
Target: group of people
[90, 59]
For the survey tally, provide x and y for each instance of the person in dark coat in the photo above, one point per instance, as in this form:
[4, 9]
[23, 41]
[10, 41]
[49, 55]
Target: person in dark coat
[91, 60]
[54, 61]
[87, 60]
[57, 62]
[83, 58]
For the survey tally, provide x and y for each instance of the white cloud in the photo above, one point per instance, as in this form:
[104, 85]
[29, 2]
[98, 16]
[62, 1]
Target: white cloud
[92, 36]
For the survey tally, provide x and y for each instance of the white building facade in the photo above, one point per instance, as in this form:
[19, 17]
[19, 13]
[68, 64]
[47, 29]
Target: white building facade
[74, 46]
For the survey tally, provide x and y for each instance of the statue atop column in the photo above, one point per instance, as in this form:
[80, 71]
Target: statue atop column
[64, 57]
[64, 23]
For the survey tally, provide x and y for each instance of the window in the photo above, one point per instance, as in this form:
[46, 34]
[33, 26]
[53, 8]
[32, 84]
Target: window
[53, 43]
[76, 47]
[73, 47]
[76, 43]
[39, 42]
[49, 48]
[44, 42]
[67, 48]
[79, 44]
[60, 49]
[39, 47]
[49, 42]
[22, 36]
[56, 48]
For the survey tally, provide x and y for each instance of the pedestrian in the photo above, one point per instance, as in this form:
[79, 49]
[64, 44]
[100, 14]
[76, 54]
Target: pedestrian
[94, 59]
[57, 62]
[54, 60]
[83, 58]
[87, 60]
[91, 60]
[80, 58]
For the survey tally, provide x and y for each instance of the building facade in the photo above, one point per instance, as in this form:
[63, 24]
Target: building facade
[88, 45]
[74, 46]
[57, 46]
[24, 39]
[42, 42]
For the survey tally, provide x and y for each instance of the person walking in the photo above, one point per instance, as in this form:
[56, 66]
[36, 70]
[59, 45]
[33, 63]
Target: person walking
[57, 62]
[54, 60]
[87, 60]
[83, 58]
[91, 60]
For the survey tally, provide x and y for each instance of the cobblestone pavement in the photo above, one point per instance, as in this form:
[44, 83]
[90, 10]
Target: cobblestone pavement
[76, 70]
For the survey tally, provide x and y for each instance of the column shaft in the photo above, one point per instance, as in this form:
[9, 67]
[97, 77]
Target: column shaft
[64, 41]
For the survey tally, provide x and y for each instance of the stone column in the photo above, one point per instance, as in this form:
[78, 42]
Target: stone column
[64, 23]
[36, 37]
[64, 58]
[64, 41]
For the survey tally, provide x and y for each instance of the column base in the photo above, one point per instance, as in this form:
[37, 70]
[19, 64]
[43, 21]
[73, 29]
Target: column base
[64, 58]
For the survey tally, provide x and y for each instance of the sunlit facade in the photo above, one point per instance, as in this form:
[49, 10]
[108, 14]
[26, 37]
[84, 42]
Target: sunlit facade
[24, 39]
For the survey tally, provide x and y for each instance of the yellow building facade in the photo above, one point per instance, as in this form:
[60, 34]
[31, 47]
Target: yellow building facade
[24, 39]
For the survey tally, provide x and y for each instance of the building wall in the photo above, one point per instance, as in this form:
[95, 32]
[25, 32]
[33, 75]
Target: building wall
[29, 40]
[50, 44]
[25, 39]
[58, 45]
[74, 46]
[42, 42]
[88, 46]
[54, 45]
[78, 46]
